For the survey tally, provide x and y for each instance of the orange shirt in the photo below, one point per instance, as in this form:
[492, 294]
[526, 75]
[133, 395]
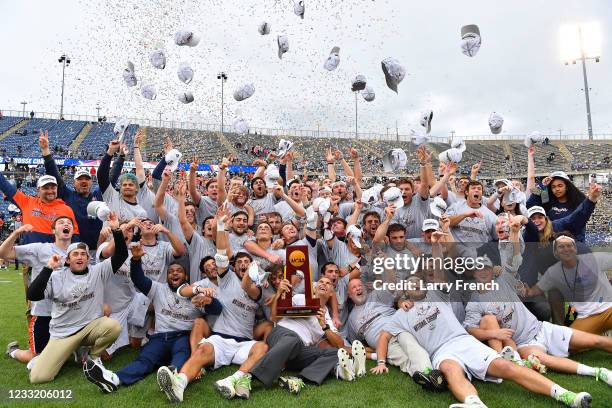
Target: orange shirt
[41, 215]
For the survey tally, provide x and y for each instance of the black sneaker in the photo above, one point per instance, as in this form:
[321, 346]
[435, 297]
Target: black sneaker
[437, 380]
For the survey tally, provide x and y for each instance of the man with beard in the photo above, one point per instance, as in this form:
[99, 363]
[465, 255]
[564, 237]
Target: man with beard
[232, 335]
[371, 222]
[125, 202]
[293, 345]
[340, 285]
[39, 211]
[36, 255]
[455, 353]
[366, 322]
[262, 202]
[79, 197]
[416, 206]
[286, 208]
[174, 316]
[238, 234]
[207, 204]
[470, 220]
[198, 246]
[275, 221]
[77, 294]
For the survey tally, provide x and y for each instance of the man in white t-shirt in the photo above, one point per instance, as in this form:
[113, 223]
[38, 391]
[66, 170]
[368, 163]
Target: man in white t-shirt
[471, 221]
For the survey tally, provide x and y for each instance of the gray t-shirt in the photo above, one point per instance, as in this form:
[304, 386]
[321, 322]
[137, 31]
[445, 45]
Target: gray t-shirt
[412, 216]
[77, 299]
[156, 260]
[125, 211]
[207, 283]
[366, 321]
[238, 315]
[146, 198]
[285, 210]
[262, 205]
[586, 287]
[338, 253]
[473, 230]
[510, 314]
[236, 242]
[120, 290]
[172, 312]
[198, 248]
[37, 255]
[206, 208]
[431, 321]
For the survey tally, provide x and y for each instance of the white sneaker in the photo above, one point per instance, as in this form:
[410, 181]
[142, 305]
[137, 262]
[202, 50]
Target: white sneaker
[359, 358]
[582, 400]
[96, 373]
[30, 365]
[345, 369]
[605, 375]
[473, 404]
[169, 383]
[226, 387]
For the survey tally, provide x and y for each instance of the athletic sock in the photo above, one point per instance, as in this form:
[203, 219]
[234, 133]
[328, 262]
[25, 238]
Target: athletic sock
[13, 353]
[586, 370]
[183, 380]
[373, 357]
[556, 391]
[472, 399]
[238, 374]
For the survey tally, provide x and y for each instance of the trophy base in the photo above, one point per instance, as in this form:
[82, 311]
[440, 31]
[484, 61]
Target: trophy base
[297, 311]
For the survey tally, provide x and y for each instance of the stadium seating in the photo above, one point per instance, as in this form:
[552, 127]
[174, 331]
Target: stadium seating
[61, 134]
[96, 141]
[8, 122]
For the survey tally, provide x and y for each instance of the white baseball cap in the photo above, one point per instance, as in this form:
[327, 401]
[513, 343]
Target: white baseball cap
[283, 45]
[173, 157]
[536, 209]
[333, 60]
[355, 234]
[158, 59]
[241, 126]
[394, 160]
[120, 127]
[271, 176]
[298, 8]
[148, 92]
[430, 224]
[458, 144]
[394, 72]
[533, 138]
[80, 173]
[46, 179]
[185, 97]
[359, 83]
[437, 207]
[186, 37]
[129, 76]
[264, 28]
[505, 182]
[185, 72]
[244, 91]
[284, 147]
[450, 155]
[425, 120]
[99, 210]
[559, 174]
[496, 122]
[470, 39]
[77, 245]
[368, 94]
[393, 195]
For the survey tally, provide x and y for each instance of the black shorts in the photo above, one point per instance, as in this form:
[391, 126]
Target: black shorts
[39, 333]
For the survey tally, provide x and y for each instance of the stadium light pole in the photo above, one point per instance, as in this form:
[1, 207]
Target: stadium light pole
[582, 42]
[98, 109]
[64, 60]
[223, 77]
[24, 103]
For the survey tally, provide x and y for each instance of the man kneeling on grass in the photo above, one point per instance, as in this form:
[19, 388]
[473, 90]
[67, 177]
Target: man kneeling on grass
[174, 316]
[77, 292]
[293, 345]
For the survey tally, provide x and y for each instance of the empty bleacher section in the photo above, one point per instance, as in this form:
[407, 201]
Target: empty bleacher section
[8, 122]
[590, 156]
[204, 144]
[24, 141]
[95, 142]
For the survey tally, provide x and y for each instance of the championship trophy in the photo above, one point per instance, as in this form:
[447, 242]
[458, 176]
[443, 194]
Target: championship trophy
[297, 263]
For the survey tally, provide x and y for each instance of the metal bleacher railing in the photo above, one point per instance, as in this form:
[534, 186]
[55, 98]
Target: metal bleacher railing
[316, 133]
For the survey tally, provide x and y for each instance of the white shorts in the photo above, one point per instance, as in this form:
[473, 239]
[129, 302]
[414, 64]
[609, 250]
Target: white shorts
[132, 316]
[554, 339]
[473, 356]
[229, 351]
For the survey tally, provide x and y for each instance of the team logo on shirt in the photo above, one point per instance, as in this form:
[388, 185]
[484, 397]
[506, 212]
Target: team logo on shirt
[431, 312]
[173, 302]
[78, 290]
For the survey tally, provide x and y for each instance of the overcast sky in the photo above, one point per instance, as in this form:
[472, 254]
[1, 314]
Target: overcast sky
[517, 72]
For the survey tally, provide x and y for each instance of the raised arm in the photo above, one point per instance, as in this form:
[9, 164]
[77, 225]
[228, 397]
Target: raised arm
[296, 207]
[440, 186]
[50, 166]
[356, 165]
[140, 280]
[104, 169]
[140, 173]
[357, 207]
[530, 169]
[181, 190]
[331, 169]
[36, 290]
[381, 231]
[178, 249]
[193, 186]
[7, 249]
[160, 195]
[475, 169]
[345, 166]
[221, 181]
[115, 171]
[120, 255]
[578, 219]
[426, 172]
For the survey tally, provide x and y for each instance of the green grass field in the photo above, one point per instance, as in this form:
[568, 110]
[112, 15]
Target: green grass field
[393, 390]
